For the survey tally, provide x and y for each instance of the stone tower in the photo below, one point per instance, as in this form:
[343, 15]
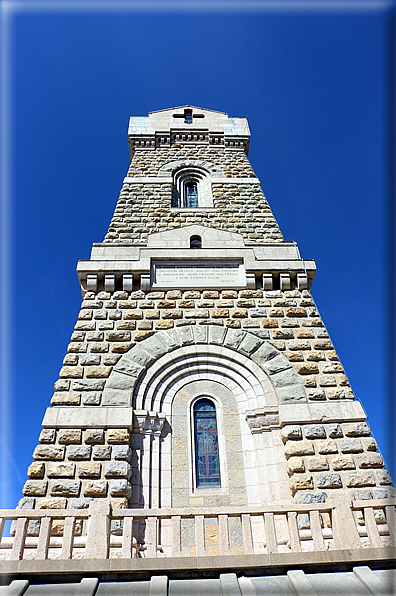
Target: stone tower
[200, 389]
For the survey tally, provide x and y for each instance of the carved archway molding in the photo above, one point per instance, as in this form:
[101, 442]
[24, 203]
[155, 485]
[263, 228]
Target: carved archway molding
[235, 348]
[172, 166]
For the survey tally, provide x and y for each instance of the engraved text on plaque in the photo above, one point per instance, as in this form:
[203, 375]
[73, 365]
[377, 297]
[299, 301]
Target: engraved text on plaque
[198, 275]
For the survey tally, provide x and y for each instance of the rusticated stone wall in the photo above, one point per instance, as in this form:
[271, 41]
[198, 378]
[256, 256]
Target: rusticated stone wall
[144, 208]
[323, 457]
[110, 324]
[234, 163]
[72, 466]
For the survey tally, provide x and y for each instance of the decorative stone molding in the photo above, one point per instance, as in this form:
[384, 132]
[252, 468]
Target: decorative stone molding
[92, 417]
[142, 142]
[168, 180]
[172, 166]
[127, 283]
[324, 412]
[197, 136]
[262, 420]
[109, 283]
[147, 180]
[284, 281]
[302, 281]
[267, 281]
[250, 281]
[149, 422]
[123, 381]
[146, 483]
[160, 382]
[237, 142]
[92, 283]
[145, 282]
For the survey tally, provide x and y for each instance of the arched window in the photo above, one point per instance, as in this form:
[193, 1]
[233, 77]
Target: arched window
[195, 242]
[191, 194]
[207, 465]
[191, 188]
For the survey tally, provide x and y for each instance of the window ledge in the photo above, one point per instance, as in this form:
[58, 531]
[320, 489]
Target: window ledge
[193, 209]
[209, 492]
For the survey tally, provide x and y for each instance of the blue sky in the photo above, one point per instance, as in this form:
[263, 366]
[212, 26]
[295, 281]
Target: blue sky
[313, 81]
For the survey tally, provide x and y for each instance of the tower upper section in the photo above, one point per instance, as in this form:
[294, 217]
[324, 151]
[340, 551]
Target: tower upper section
[188, 125]
[191, 197]
[188, 166]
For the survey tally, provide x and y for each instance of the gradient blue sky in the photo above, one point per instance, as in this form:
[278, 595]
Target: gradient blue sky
[313, 81]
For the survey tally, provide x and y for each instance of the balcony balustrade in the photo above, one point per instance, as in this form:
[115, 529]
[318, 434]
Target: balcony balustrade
[101, 533]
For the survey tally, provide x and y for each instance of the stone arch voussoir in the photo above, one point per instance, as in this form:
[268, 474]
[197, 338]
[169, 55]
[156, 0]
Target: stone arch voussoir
[170, 167]
[122, 381]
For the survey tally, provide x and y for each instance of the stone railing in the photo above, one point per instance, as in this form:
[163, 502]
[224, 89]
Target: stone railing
[99, 533]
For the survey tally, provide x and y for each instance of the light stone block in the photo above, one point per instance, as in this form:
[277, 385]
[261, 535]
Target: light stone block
[36, 488]
[92, 417]
[284, 378]
[117, 469]
[120, 488]
[118, 380]
[78, 452]
[89, 470]
[65, 488]
[101, 452]
[47, 452]
[116, 397]
[61, 470]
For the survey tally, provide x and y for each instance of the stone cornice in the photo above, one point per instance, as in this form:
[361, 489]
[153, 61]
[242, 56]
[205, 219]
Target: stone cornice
[168, 180]
[262, 420]
[187, 136]
[92, 417]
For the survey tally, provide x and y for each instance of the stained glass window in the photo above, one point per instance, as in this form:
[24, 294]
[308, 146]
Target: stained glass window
[206, 444]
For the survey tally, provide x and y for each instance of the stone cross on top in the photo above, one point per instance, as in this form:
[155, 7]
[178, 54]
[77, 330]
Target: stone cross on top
[188, 116]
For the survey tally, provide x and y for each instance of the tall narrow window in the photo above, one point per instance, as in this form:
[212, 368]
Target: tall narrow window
[191, 190]
[206, 445]
[188, 116]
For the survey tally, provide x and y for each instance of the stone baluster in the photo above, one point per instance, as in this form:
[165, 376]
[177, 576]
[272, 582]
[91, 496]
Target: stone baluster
[316, 530]
[127, 538]
[247, 534]
[295, 544]
[44, 538]
[98, 530]
[19, 540]
[272, 544]
[371, 527]
[152, 536]
[345, 534]
[68, 538]
[391, 522]
[199, 536]
[223, 535]
[176, 536]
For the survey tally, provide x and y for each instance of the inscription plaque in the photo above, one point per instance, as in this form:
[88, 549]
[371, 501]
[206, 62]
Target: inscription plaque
[186, 275]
